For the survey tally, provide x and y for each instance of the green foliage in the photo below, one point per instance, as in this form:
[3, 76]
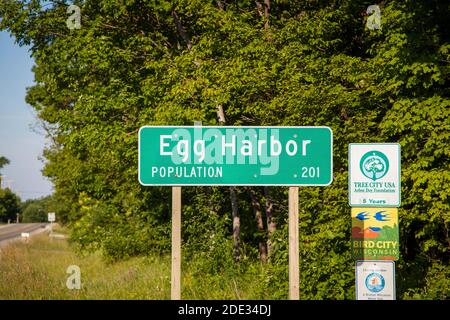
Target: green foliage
[34, 213]
[102, 227]
[9, 205]
[388, 233]
[435, 285]
[36, 210]
[9, 202]
[307, 63]
[3, 161]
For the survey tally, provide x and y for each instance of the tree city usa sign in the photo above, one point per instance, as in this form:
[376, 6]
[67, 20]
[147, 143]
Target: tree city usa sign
[197, 155]
[374, 174]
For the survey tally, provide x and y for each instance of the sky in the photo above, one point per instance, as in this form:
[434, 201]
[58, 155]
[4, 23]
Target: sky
[21, 144]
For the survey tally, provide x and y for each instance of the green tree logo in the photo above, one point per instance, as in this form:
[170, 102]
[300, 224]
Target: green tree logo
[374, 165]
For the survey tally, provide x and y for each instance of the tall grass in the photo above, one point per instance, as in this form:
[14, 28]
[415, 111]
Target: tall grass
[37, 270]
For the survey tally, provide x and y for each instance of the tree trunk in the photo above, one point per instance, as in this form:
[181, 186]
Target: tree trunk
[220, 114]
[264, 12]
[262, 246]
[182, 30]
[220, 5]
[236, 225]
[234, 203]
[212, 208]
[271, 225]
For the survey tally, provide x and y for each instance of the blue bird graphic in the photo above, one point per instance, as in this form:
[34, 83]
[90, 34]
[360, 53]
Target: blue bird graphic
[376, 229]
[362, 215]
[381, 217]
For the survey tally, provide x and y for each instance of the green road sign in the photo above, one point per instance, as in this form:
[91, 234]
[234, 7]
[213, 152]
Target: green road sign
[196, 155]
[375, 233]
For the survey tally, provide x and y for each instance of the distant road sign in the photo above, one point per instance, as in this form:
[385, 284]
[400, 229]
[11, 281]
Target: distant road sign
[374, 175]
[375, 233]
[197, 155]
[51, 217]
[375, 280]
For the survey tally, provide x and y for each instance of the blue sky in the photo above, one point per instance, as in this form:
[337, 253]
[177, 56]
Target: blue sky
[18, 142]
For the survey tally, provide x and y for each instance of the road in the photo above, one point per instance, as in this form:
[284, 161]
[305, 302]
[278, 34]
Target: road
[14, 230]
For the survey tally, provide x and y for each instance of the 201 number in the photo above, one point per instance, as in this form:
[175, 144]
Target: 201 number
[310, 172]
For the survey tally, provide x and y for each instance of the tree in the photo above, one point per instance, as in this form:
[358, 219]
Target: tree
[9, 202]
[3, 162]
[9, 205]
[375, 166]
[36, 210]
[34, 213]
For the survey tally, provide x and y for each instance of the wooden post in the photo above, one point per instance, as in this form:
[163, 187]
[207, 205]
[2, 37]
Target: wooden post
[176, 244]
[294, 272]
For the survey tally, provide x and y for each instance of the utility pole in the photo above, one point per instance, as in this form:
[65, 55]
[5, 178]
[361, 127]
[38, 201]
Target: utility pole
[17, 219]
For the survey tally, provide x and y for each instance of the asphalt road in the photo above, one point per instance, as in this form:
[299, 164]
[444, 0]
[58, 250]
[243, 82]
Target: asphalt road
[14, 230]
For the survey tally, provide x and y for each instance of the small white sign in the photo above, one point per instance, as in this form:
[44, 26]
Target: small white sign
[375, 280]
[51, 217]
[374, 175]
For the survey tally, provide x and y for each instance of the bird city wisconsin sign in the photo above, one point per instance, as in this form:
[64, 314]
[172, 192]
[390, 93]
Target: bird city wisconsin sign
[375, 233]
[374, 174]
[197, 155]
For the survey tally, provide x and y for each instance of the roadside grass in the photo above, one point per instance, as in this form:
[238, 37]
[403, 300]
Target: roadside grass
[37, 270]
